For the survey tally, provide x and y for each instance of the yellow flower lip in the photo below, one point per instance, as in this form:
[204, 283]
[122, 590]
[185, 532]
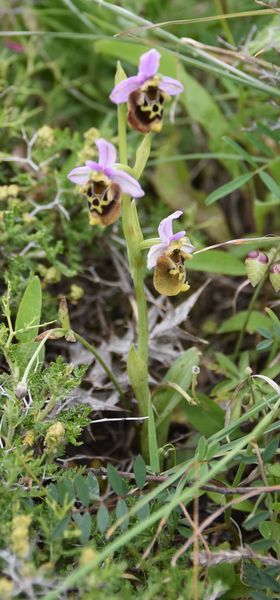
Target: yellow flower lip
[170, 274]
[146, 107]
[170, 277]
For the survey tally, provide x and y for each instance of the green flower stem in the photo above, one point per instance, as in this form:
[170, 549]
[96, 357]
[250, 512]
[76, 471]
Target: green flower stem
[137, 366]
[99, 359]
[133, 237]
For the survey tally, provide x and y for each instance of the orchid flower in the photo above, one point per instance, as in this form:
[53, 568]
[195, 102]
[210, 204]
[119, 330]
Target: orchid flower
[145, 93]
[104, 184]
[168, 258]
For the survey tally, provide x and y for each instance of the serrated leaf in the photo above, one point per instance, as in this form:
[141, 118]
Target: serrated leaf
[140, 472]
[82, 490]
[116, 482]
[121, 513]
[29, 311]
[102, 518]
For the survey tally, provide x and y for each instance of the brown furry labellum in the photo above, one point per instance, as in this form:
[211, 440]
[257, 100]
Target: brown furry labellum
[170, 274]
[104, 201]
[145, 108]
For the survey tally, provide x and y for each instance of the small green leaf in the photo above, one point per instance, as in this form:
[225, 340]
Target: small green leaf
[58, 531]
[29, 311]
[275, 321]
[93, 486]
[270, 530]
[241, 151]
[52, 490]
[255, 321]
[102, 518]
[265, 332]
[116, 482]
[216, 261]
[229, 187]
[270, 450]
[140, 472]
[264, 345]
[142, 155]
[201, 450]
[65, 491]
[121, 513]
[82, 490]
[270, 183]
[85, 527]
[251, 522]
[144, 511]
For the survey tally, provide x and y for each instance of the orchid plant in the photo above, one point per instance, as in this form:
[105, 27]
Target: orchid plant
[110, 190]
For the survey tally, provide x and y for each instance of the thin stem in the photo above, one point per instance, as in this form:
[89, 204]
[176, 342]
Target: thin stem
[48, 408]
[96, 354]
[35, 356]
[138, 373]
[224, 23]
[250, 308]
[133, 236]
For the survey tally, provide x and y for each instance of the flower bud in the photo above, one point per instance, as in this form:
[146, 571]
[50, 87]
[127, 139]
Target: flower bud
[45, 136]
[21, 390]
[63, 315]
[248, 371]
[256, 266]
[19, 535]
[274, 276]
[54, 436]
[6, 587]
